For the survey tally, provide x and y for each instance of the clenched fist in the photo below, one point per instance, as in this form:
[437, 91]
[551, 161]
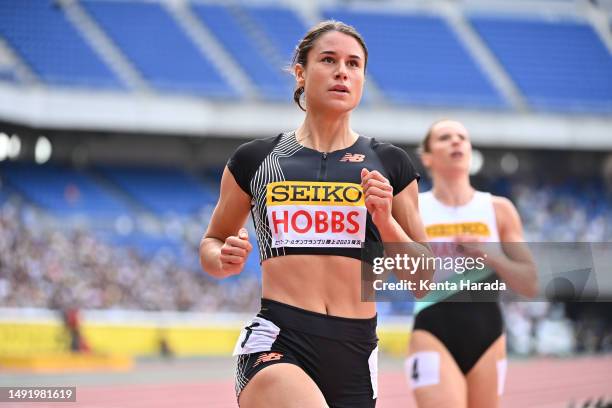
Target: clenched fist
[235, 251]
[378, 194]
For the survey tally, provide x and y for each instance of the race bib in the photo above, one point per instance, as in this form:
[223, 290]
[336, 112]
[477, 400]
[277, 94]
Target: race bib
[316, 214]
[449, 231]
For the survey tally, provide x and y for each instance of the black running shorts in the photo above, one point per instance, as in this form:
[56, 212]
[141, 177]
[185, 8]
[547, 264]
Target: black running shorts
[339, 354]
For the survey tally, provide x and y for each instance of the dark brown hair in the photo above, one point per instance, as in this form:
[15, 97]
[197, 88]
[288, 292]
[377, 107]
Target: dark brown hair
[300, 56]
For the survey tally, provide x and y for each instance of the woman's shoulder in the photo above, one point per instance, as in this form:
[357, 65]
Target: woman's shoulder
[505, 210]
[503, 206]
[383, 147]
[248, 157]
[397, 163]
[258, 146]
[391, 154]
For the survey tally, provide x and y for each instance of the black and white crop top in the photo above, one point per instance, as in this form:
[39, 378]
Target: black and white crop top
[308, 202]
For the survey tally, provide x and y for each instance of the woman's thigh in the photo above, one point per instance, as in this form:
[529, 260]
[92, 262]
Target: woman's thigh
[485, 381]
[281, 385]
[435, 377]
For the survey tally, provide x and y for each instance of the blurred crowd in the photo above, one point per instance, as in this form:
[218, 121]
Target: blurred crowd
[556, 328]
[564, 214]
[572, 212]
[43, 265]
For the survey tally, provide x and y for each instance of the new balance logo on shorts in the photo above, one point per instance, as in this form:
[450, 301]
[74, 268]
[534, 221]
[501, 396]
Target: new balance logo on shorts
[266, 357]
[353, 158]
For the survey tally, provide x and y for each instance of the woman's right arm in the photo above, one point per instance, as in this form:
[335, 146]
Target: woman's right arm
[225, 245]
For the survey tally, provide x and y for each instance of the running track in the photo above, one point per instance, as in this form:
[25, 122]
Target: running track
[541, 383]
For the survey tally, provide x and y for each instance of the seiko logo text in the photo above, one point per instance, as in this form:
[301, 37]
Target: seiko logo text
[453, 230]
[322, 193]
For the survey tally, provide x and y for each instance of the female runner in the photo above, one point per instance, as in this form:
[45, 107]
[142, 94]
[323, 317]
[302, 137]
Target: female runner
[457, 353]
[316, 195]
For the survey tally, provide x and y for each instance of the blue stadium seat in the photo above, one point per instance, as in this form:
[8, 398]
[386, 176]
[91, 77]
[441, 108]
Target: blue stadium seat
[264, 70]
[418, 60]
[7, 74]
[558, 65]
[282, 27]
[154, 42]
[41, 35]
[148, 246]
[62, 190]
[163, 190]
[4, 194]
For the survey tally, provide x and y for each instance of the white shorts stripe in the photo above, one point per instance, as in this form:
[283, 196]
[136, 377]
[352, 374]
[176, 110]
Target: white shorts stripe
[258, 336]
[373, 364]
[502, 368]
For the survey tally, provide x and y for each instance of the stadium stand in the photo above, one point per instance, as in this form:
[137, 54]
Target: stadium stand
[547, 211]
[281, 26]
[162, 190]
[75, 269]
[232, 29]
[173, 63]
[441, 73]
[166, 251]
[62, 190]
[4, 194]
[8, 74]
[558, 65]
[55, 50]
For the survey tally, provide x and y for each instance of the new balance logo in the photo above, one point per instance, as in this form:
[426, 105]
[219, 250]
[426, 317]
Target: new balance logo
[353, 158]
[266, 357]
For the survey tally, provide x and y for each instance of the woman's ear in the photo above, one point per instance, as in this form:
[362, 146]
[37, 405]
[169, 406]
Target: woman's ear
[425, 158]
[299, 73]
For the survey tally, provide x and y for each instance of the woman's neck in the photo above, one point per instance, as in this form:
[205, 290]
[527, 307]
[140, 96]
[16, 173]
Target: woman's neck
[453, 191]
[326, 133]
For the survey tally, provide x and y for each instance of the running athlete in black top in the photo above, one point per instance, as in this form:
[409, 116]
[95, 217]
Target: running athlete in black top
[316, 194]
[311, 202]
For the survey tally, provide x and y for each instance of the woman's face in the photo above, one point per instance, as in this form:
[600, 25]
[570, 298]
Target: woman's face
[449, 148]
[334, 74]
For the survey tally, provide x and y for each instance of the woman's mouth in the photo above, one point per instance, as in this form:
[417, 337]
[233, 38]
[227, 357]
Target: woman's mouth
[339, 88]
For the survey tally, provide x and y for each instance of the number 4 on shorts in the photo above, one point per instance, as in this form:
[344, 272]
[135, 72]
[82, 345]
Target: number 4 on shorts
[415, 370]
[423, 368]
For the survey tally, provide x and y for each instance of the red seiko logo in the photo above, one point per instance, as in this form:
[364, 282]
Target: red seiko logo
[353, 158]
[264, 358]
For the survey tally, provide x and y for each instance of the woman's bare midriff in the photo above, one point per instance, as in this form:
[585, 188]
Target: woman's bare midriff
[326, 284]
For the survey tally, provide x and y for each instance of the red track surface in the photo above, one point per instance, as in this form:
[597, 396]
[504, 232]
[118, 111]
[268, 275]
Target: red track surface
[539, 383]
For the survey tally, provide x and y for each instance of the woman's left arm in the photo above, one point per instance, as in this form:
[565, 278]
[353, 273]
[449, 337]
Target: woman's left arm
[516, 265]
[397, 219]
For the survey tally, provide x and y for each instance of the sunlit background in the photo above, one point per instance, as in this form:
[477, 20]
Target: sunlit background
[117, 117]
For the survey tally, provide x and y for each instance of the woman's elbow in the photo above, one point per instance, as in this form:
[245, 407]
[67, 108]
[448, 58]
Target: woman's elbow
[530, 288]
[533, 288]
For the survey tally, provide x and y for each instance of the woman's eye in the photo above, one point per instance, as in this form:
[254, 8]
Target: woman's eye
[328, 59]
[354, 64]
